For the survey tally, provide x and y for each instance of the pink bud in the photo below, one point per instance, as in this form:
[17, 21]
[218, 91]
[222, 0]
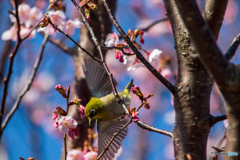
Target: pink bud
[132, 89]
[121, 59]
[55, 116]
[141, 40]
[136, 87]
[56, 124]
[146, 105]
[58, 86]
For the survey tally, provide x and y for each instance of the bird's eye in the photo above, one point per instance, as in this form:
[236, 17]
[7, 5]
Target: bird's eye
[92, 112]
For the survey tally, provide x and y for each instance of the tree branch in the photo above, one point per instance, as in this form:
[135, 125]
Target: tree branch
[28, 84]
[153, 24]
[214, 13]
[61, 45]
[153, 129]
[233, 48]
[214, 120]
[203, 40]
[135, 50]
[59, 30]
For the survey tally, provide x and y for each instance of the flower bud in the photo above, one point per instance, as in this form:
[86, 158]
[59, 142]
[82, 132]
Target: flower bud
[61, 90]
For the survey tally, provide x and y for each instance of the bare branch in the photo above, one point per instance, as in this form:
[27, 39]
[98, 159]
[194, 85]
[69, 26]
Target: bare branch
[114, 136]
[61, 45]
[214, 120]
[27, 86]
[153, 129]
[1, 76]
[203, 40]
[138, 54]
[213, 13]
[233, 48]
[59, 30]
[153, 24]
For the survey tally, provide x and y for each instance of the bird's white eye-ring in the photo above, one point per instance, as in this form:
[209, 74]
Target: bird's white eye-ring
[92, 112]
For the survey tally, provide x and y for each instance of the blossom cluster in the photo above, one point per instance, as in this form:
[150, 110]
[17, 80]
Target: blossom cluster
[30, 17]
[125, 54]
[77, 154]
[66, 123]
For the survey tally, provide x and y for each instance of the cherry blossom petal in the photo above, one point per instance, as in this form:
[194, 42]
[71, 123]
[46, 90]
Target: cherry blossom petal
[112, 40]
[154, 55]
[75, 154]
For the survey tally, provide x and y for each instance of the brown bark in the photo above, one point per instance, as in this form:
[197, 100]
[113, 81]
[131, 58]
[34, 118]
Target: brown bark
[226, 74]
[101, 26]
[191, 101]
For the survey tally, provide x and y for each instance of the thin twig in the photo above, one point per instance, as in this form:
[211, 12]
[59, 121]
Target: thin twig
[233, 48]
[136, 51]
[28, 84]
[18, 20]
[65, 146]
[114, 136]
[35, 27]
[1, 76]
[154, 23]
[214, 120]
[61, 45]
[59, 30]
[153, 129]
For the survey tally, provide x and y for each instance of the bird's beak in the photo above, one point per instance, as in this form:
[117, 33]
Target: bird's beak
[89, 121]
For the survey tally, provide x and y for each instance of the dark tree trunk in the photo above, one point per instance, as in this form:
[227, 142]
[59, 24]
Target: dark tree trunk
[191, 101]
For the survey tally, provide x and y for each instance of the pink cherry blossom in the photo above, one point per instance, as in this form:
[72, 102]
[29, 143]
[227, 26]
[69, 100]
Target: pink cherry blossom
[11, 34]
[71, 25]
[75, 154]
[135, 65]
[73, 132]
[81, 108]
[23, 13]
[34, 18]
[226, 123]
[112, 40]
[129, 50]
[166, 72]
[57, 17]
[154, 55]
[90, 156]
[65, 123]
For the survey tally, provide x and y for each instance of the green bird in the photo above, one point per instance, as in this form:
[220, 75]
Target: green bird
[104, 108]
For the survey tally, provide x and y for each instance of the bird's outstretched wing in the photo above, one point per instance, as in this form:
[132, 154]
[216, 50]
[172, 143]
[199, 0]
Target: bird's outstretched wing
[97, 78]
[106, 130]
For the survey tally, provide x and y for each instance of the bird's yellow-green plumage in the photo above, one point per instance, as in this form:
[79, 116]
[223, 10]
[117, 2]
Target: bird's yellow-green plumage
[103, 107]
[106, 108]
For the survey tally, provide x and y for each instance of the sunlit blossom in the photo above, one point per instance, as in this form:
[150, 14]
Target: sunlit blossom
[112, 40]
[90, 156]
[135, 65]
[154, 55]
[81, 108]
[166, 73]
[75, 154]
[71, 25]
[11, 34]
[65, 123]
